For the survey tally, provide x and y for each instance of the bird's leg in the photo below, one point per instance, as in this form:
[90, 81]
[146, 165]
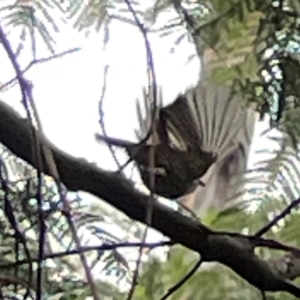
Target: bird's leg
[158, 170]
[187, 209]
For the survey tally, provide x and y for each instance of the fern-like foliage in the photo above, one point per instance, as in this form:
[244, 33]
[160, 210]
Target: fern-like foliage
[267, 71]
[254, 45]
[18, 212]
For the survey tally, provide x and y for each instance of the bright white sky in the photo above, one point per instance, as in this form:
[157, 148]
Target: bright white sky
[67, 90]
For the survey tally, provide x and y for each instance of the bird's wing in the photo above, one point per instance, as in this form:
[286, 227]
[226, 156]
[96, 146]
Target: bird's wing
[179, 124]
[166, 131]
[212, 114]
[144, 120]
[208, 116]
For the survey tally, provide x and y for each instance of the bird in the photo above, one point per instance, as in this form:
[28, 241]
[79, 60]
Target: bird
[174, 172]
[210, 124]
[199, 130]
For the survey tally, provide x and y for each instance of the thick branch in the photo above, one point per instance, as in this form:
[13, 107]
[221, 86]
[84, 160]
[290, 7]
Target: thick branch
[232, 250]
[78, 174]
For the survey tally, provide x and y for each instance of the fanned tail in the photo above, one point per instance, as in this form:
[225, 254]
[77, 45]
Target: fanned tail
[227, 129]
[218, 116]
[209, 117]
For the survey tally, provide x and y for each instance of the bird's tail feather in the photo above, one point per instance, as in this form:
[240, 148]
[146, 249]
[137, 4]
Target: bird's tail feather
[217, 114]
[212, 116]
[208, 116]
[225, 180]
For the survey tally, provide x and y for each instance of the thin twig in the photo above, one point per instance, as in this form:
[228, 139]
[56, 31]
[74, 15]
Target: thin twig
[153, 86]
[38, 61]
[188, 210]
[101, 121]
[103, 247]
[27, 99]
[277, 218]
[9, 213]
[22, 83]
[181, 282]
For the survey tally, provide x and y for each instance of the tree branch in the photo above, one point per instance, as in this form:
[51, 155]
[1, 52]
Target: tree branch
[234, 250]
